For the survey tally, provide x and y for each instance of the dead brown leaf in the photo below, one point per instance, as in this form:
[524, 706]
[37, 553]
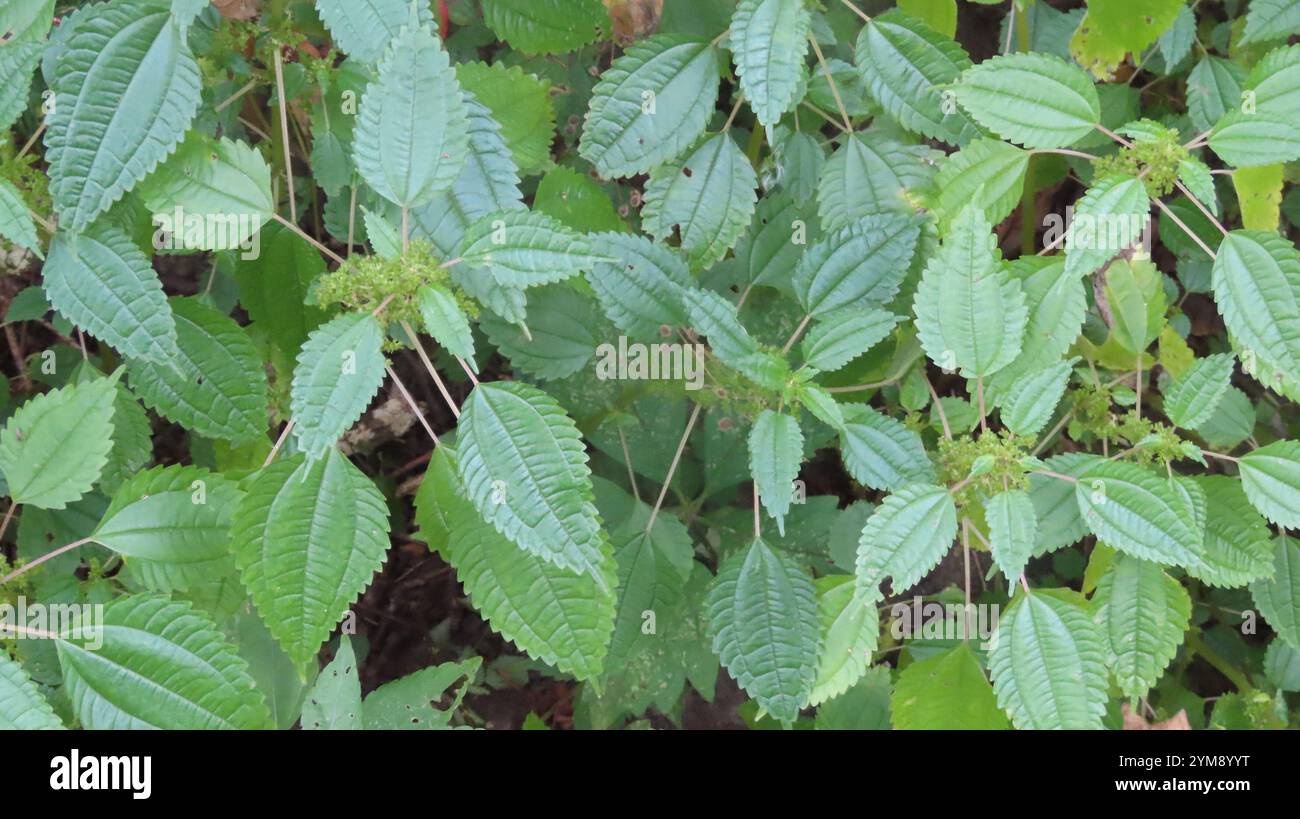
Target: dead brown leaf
[1136, 722]
[633, 19]
[238, 9]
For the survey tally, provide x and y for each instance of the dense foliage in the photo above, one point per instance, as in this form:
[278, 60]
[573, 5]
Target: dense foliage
[929, 366]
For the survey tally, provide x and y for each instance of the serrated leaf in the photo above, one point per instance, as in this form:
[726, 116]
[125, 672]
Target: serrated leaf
[1237, 547]
[102, 282]
[544, 26]
[308, 536]
[906, 537]
[1013, 531]
[970, 313]
[156, 663]
[334, 702]
[650, 105]
[871, 173]
[447, 322]
[411, 140]
[1030, 401]
[768, 41]
[215, 385]
[1270, 20]
[1108, 218]
[762, 612]
[18, 61]
[525, 470]
[1060, 521]
[1258, 138]
[1143, 614]
[561, 340]
[1057, 306]
[1278, 598]
[707, 199]
[1192, 399]
[1270, 476]
[172, 526]
[775, 455]
[1256, 279]
[521, 103]
[880, 452]
[366, 28]
[16, 223]
[339, 370]
[22, 708]
[274, 288]
[1141, 513]
[946, 691]
[555, 615]
[126, 90]
[522, 249]
[409, 703]
[860, 264]
[1259, 195]
[1035, 100]
[850, 624]
[843, 336]
[1048, 662]
[639, 289]
[211, 194]
[54, 447]
[905, 63]
[1213, 88]
[988, 172]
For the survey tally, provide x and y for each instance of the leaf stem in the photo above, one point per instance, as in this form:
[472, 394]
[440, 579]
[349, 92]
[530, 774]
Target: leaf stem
[798, 331]
[1201, 207]
[415, 408]
[279, 442]
[672, 468]
[310, 239]
[938, 405]
[433, 371]
[835, 90]
[284, 132]
[1197, 646]
[1197, 239]
[857, 11]
[16, 573]
[9, 516]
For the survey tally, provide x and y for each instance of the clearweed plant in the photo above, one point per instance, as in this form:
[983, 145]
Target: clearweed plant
[650, 363]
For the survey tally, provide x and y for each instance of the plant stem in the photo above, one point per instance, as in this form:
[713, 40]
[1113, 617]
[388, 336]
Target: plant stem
[279, 442]
[308, 237]
[16, 573]
[415, 408]
[1197, 646]
[433, 371]
[798, 331]
[672, 468]
[835, 90]
[284, 132]
[1197, 239]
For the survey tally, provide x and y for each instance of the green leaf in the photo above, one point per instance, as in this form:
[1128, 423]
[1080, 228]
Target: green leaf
[1192, 399]
[1013, 531]
[126, 90]
[1278, 598]
[1141, 513]
[16, 223]
[215, 385]
[1256, 281]
[769, 39]
[522, 249]
[1237, 547]
[577, 200]
[1259, 195]
[53, 449]
[762, 612]
[211, 194]
[822, 405]
[906, 537]
[521, 103]
[1057, 307]
[1143, 614]
[411, 139]
[334, 702]
[308, 537]
[988, 172]
[561, 339]
[446, 322]
[172, 526]
[103, 283]
[868, 174]
[409, 703]
[1258, 138]
[1134, 291]
[707, 199]
[640, 290]
[156, 663]
[843, 336]
[21, 54]
[366, 28]
[905, 64]
[946, 691]
[850, 628]
[650, 105]
[1113, 28]
[22, 708]
[880, 452]
[1035, 100]
[555, 615]
[775, 455]
[545, 26]
[1030, 401]
[1213, 88]
[1108, 218]
[1270, 20]
[525, 469]
[274, 288]
[1048, 662]
[970, 313]
[860, 264]
[1282, 666]
[1060, 521]
[715, 318]
[339, 370]
[1271, 477]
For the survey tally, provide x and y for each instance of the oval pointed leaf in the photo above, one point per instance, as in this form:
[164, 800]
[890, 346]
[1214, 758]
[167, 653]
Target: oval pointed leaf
[1036, 100]
[861, 263]
[850, 632]
[906, 537]
[1278, 598]
[775, 455]
[1271, 477]
[339, 370]
[1013, 531]
[768, 40]
[1143, 613]
[880, 452]
[1140, 513]
[1256, 281]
